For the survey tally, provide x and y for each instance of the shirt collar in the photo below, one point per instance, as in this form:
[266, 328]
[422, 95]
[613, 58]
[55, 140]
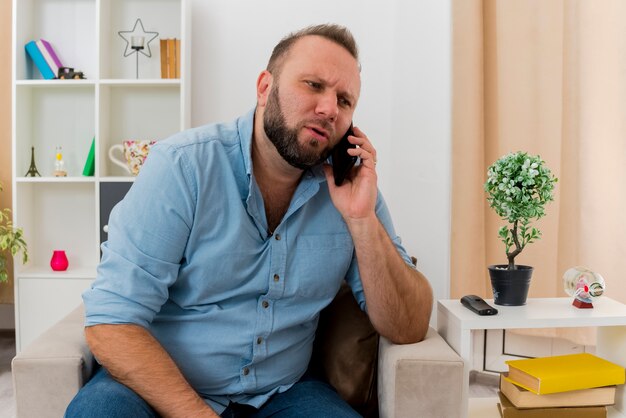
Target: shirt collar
[246, 127]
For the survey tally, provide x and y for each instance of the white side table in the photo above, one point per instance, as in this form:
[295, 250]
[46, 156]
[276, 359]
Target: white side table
[456, 323]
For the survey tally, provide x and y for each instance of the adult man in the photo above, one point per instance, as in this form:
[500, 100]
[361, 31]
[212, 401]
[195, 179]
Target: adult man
[231, 241]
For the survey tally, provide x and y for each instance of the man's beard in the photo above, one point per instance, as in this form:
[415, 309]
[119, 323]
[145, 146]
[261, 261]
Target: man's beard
[286, 139]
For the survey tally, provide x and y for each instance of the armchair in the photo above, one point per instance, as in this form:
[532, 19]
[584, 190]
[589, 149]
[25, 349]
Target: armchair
[413, 380]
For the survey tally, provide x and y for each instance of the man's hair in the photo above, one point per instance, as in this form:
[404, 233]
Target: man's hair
[334, 33]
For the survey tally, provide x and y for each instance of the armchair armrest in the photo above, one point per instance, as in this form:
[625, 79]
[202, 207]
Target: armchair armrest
[49, 372]
[424, 379]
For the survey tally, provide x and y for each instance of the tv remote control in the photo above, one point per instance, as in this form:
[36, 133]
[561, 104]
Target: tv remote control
[478, 305]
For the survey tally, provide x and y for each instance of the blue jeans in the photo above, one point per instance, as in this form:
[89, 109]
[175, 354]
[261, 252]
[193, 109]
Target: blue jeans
[104, 397]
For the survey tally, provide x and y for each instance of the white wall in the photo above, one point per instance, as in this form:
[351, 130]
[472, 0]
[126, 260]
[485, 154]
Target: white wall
[405, 101]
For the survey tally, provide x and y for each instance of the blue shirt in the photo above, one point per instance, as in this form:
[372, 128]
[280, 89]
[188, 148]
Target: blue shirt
[189, 258]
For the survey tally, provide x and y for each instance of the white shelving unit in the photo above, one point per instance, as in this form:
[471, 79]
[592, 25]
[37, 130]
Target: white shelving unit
[458, 325]
[111, 105]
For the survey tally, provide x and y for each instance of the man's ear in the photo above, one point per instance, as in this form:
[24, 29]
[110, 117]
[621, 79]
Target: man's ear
[263, 87]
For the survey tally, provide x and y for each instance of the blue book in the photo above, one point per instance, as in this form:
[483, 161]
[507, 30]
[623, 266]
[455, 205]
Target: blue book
[39, 60]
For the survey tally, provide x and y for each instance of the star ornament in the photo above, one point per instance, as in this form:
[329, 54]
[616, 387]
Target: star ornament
[128, 35]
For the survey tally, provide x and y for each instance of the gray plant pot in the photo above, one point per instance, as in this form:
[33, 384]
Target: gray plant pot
[510, 287]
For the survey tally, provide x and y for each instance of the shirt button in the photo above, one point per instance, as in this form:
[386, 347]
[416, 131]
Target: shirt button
[277, 237]
[265, 304]
[276, 277]
[246, 371]
[259, 340]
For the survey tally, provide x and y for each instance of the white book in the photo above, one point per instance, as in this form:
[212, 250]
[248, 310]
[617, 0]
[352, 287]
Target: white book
[46, 55]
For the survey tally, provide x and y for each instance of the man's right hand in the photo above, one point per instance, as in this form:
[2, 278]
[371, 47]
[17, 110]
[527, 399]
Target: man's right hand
[136, 359]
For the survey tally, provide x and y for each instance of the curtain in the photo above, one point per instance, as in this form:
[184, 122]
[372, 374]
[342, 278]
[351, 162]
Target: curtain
[549, 78]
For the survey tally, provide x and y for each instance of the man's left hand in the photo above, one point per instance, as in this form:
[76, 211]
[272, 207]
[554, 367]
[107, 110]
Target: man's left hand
[356, 197]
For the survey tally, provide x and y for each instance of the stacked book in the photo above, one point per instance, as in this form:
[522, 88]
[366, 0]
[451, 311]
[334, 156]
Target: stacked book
[44, 58]
[170, 58]
[568, 386]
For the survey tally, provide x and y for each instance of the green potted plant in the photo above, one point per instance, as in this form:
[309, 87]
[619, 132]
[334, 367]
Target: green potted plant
[518, 187]
[11, 242]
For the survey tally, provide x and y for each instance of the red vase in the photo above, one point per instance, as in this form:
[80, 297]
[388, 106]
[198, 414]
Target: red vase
[59, 262]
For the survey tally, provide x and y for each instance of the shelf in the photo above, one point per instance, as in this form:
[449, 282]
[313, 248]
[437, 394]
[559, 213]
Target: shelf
[164, 17]
[45, 272]
[138, 112]
[55, 83]
[141, 82]
[48, 116]
[540, 313]
[109, 106]
[55, 180]
[69, 27]
[58, 215]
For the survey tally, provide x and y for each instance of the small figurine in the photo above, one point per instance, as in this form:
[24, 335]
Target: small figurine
[32, 170]
[66, 73]
[59, 165]
[583, 284]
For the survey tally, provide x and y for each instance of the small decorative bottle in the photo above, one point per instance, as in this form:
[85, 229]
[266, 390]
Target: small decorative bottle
[59, 165]
[59, 262]
[584, 285]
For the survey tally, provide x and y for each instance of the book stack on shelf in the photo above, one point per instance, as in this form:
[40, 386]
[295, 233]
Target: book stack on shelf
[44, 58]
[170, 58]
[569, 386]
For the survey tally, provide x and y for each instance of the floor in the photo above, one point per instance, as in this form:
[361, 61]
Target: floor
[483, 385]
[7, 352]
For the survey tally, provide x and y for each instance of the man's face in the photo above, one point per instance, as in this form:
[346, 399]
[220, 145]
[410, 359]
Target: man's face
[310, 104]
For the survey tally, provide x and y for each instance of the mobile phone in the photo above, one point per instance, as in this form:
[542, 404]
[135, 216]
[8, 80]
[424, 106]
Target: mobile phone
[342, 161]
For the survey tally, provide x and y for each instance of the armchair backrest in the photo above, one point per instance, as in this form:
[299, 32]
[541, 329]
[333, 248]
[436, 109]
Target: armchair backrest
[345, 352]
